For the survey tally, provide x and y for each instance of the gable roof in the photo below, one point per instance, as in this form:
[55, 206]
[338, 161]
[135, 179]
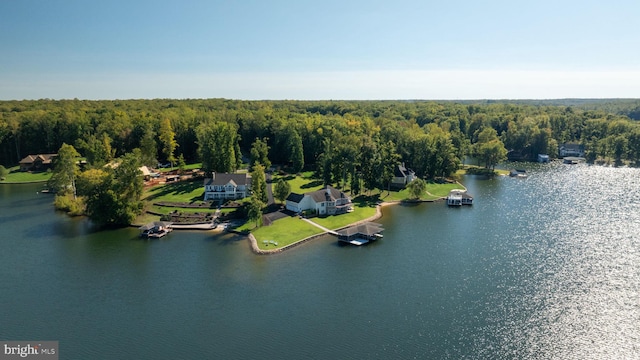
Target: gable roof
[402, 171]
[327, 194]
[296, 198]
[367, 229]
[45, 158]
[225, 178]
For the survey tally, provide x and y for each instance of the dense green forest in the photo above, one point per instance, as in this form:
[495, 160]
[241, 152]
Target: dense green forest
[343, 139]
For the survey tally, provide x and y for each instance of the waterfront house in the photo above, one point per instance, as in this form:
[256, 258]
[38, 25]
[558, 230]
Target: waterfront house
[543, 158]
[459, 197]
[38, 162]
[227, 186]
[327, 201]
[573, 150]
[402, 176]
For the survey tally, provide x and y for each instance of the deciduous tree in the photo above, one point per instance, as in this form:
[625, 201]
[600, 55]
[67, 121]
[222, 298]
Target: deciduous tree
[417, 188]
[259, 183]
[281, 190]
[167, 139]
[65, 170]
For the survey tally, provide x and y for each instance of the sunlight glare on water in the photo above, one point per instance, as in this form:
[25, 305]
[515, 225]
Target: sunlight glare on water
[580, 297]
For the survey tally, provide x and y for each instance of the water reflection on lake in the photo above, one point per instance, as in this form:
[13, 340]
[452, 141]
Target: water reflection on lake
[538, 268]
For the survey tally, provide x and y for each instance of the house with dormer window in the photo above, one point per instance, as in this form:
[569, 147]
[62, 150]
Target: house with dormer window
[226, 186]
[327, 201]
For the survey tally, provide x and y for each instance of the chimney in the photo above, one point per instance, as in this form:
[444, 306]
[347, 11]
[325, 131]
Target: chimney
[214, 176]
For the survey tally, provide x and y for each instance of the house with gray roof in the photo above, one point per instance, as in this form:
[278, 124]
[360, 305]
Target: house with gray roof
[327, 201]
[402, 176]
[225, 186]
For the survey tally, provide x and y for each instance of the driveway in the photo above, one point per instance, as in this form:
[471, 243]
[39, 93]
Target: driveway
[269, 190]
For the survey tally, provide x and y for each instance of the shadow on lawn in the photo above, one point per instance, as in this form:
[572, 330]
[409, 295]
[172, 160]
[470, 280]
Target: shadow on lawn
[182, 187]
[312, 184]
[366, 200]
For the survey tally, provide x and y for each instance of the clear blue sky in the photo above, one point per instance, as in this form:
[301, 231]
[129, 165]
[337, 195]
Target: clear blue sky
[328, 49]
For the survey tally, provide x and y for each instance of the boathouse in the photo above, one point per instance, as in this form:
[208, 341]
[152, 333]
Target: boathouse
[361, 234]
[156, 229]
[459, 197]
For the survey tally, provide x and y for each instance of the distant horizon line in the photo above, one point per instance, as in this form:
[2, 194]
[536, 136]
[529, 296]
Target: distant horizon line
[347, 100]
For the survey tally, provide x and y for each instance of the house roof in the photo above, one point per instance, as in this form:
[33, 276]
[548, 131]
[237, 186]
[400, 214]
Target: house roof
[145, 170]
[296, 198]
[367, 229]
[402, 171]
[45, 158]
[159, 224]
[327, 194]
[225, 178]
[462, 193]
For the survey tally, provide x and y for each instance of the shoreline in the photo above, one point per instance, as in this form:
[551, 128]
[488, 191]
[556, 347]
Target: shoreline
[253, 243]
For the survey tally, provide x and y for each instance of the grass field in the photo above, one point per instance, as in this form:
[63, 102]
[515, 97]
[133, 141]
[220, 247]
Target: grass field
[17, 176]
[169, 209]
[301, 184]
[182, 191]
[285, 232]
[361, 211]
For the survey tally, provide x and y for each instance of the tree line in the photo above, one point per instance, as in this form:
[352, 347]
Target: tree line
[341, 139]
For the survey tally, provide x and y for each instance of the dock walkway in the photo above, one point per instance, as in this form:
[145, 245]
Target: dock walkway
[320, 227]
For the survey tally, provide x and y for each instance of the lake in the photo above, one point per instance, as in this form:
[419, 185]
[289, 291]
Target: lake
[546, 267]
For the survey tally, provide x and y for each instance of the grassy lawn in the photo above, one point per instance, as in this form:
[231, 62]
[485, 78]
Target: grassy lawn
[434, 191]
[361, 211]
[182, 191]
[441, 190]
[284, 231]
[168, 209]
[463, 171]
[301, 184]
[17, 176]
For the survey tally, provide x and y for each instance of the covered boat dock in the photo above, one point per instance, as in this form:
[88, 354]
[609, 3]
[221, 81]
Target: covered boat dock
[156, 229]
[361, 234]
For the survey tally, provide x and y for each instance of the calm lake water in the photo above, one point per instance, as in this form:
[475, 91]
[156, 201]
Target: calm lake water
[546, 267]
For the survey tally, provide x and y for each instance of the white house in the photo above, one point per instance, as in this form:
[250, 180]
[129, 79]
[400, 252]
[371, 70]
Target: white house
[327, 201]
[227, 186]
[402, 176]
